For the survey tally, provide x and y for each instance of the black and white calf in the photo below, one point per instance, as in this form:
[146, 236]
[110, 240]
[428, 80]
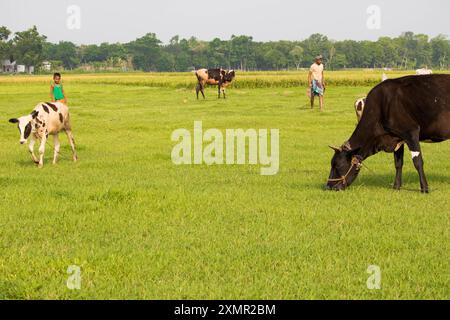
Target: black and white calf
[361, 102]
[46, 119]
[359, 107]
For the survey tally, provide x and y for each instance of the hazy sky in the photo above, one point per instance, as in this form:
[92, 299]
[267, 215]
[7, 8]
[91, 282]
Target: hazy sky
[122, 21]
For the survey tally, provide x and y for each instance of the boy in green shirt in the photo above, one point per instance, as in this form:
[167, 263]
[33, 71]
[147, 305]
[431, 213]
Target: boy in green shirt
[56, 89]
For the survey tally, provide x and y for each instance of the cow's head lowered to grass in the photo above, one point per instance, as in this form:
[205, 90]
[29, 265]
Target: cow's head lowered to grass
[25, 125]
[345, 166]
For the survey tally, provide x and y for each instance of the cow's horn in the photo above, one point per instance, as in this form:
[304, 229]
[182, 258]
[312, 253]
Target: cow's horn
[337, 149]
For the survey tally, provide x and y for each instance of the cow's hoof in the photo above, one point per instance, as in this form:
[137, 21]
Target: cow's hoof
[396, 187]
[424, 190]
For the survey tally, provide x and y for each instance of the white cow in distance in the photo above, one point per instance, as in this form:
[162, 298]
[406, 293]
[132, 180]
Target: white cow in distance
[423, 71]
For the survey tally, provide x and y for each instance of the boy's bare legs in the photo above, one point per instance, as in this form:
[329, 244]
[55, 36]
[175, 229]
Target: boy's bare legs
[321, 103]
[312, 101]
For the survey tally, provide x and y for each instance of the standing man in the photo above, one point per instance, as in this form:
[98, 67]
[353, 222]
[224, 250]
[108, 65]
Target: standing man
[316, 81]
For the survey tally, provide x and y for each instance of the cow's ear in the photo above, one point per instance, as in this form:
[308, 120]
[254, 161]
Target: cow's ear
[13, 120]
[336, 149]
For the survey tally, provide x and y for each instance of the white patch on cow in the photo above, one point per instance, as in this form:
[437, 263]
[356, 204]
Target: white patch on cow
[415, 154]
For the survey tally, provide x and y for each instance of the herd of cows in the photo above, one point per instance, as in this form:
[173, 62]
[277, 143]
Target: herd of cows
[406, 110]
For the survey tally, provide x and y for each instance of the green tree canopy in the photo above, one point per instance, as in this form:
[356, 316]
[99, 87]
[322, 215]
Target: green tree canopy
[28, 47]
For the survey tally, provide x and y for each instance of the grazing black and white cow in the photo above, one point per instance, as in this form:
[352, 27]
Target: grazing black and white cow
[46, 119]
[405, 110]
[220, 77]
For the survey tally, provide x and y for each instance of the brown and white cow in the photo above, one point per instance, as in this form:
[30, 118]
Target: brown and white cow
[220, 77]
[46, 119]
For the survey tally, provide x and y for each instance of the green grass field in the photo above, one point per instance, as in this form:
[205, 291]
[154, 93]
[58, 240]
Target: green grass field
[142, 228]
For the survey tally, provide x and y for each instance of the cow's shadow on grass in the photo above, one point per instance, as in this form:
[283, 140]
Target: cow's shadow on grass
[386, 181]
[26, 163]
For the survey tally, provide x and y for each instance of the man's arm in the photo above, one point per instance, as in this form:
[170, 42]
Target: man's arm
[323, 80]
[309, 78]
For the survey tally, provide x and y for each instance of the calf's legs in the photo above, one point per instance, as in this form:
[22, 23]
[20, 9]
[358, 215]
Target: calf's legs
[57, 146]
[72, 144]
[42, 151]
[31, 149]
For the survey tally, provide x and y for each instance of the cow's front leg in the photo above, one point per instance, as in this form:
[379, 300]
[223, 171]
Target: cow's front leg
[398, 161]
[57, 146]
[223, 92]
[219, 89]
[31, 149]
[42, 150]
[416, 154]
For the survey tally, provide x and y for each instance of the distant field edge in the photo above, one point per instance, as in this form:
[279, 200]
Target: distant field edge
[244, 80]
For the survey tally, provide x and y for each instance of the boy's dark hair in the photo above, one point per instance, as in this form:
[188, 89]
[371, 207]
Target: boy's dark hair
[56, 74]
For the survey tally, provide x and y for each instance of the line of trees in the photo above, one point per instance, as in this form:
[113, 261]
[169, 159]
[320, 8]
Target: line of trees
[148, 53]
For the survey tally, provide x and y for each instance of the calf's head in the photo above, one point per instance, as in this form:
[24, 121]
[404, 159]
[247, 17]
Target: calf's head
[345, 166]
[25, 125]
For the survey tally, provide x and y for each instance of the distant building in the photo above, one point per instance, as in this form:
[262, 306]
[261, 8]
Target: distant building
[46, 66]
[21, 68]
[9, 66]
